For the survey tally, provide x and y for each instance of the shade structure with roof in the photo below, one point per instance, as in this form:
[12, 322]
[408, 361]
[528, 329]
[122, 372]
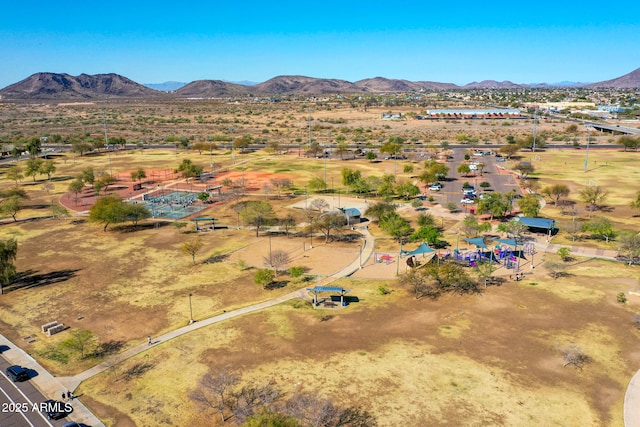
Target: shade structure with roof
[420, 250]
[548, 225]
[331, 289]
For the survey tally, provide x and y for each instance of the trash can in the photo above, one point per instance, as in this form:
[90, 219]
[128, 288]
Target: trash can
[472, 211]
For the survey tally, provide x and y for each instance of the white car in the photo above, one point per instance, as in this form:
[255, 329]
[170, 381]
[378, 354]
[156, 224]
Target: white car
[467, 202]
[435, 186]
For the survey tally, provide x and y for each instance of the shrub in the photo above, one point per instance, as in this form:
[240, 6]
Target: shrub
[621, 297]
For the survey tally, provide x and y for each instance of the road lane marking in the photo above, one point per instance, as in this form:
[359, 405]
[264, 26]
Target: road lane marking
[26, 398]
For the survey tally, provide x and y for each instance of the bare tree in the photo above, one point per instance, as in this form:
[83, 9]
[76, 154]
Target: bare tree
[555, 268]
[319, 205]
[572, 354]
[214, 391]
[280, 184]
[418, 283]
[192, 247]
[277, 259]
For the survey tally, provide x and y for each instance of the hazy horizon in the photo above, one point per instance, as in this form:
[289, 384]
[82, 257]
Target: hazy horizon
[159, 42]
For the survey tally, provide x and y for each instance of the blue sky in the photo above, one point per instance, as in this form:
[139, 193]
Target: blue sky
[447, 41]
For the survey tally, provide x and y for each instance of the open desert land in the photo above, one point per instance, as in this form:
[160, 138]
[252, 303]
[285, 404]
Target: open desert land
[489, 358]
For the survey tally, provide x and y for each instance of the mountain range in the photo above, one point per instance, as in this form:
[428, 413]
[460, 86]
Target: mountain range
[57, 87]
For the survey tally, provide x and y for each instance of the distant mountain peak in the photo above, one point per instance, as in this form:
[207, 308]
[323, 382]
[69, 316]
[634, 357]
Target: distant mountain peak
[55, 86]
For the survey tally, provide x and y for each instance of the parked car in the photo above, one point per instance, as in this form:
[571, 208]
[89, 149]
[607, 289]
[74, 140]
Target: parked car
[71, 424]
[436, 186]
[467, 201]
[56, 410]
[17, 373]
[468, 189]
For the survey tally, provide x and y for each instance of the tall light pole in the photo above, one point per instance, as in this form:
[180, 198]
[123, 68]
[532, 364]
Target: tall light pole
[106, 140]
[586, 158]
[535, 119]
[233, 153]
[211, 155]
[361, 247]
[191, 320]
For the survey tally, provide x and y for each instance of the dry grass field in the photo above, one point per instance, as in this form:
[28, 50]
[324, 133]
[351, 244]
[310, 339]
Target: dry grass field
[486, 359]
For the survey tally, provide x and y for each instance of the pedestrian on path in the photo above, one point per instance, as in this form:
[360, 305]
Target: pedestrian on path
[64, 396]
[69, 395]
[149, 340]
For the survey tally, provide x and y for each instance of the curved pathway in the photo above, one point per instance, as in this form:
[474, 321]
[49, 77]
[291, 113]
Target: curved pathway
[71, 383]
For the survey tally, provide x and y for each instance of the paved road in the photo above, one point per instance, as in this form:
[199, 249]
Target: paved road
[20, 403]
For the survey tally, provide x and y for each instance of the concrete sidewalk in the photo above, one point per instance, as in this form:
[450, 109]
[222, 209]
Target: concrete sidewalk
[47, 384]
[632, 402]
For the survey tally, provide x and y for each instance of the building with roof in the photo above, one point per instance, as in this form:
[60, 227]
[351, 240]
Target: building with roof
[507, 113]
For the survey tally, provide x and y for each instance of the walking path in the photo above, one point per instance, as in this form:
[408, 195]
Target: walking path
[53, 386]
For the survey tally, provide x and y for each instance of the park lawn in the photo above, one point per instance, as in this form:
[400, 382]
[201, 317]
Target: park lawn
[464, 360]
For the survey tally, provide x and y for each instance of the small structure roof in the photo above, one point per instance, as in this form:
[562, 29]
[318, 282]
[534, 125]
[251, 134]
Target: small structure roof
[545, 223]
[422, 249]
[509, 242]
[328, 289]
[477, 241]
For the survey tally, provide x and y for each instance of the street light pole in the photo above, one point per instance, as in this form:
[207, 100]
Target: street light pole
[211, 155]
[586, 159]
[361, 248]
[191, 320]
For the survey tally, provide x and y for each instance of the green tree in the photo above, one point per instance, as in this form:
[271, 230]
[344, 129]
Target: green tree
[264, 277]
[33, 167]
[80, 341]
[136, 212]
[494, 203]
[342, 148]
[371, 156]
[203, 196]
[15, 173]
[108, 210]
[428, 234]
[258, 214]
[188, 169]
[34, 147]
[407, 190]
[509, 150]
[529, 205]
[11, 206]
[564, 253]
[88, 176]
[471, 227]
[524, 168]
[380, 210]
[592, 196]
[396, 226]
[48, 167]
[138, 175]
[76, 186]
[600, 227]
[464, 169]
[555, 192]
[191, 248]
[103, 183]
[316, 184]
[628, 141]
[8, 252]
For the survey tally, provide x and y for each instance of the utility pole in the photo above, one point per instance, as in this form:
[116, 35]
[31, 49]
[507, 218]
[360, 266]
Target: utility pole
[535, 119]
[106, 140]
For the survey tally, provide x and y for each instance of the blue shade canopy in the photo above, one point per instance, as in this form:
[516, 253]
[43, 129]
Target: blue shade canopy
[422, 249]
[477, 241]
[509, 242]
[545, 223]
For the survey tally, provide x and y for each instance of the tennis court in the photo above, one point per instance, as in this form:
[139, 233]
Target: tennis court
[174, 204]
